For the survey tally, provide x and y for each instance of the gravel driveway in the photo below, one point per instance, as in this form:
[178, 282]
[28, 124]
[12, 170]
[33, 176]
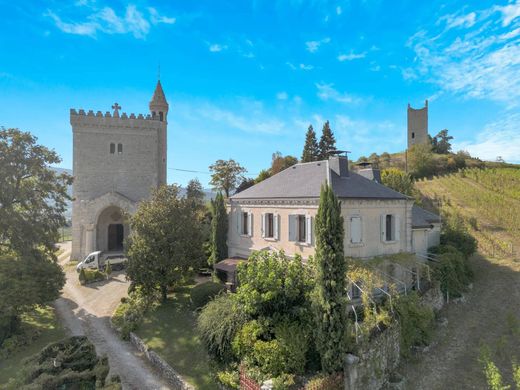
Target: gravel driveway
[85, 310]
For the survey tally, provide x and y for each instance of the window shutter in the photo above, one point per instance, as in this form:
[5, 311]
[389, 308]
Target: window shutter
[355, 230]
[397, 228]
[250, 224]
[276, 227]
[264, 224]
[308, 229]
[383, 227]
[239, 224]
[292, 227]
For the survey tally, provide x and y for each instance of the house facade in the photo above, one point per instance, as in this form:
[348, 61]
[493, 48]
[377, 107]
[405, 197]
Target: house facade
[279, 214]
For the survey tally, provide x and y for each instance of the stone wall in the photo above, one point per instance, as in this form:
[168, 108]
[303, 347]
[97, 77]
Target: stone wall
[375, 363]
[164, 368]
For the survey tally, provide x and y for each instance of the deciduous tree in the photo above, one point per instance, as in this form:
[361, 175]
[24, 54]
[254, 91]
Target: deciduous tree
[166, 241]
[226, 175]
[398, 180]
[311, 149]
[330, 285]
[441, 142]
[280, 162]
[420, 160]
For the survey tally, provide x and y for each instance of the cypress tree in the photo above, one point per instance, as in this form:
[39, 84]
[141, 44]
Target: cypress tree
[219, 229]
[311, 149]
[330, 288]
[327, 142]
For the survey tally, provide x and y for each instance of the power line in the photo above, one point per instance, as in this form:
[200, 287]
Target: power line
[206, 173]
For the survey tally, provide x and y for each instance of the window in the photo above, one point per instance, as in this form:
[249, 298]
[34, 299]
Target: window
[413, 135]
[270, 225]
[245, 223]
[390, 228]
[161, 116]
[355, 230]
[300, 228]
[356, 292]
[119, 148]
[112, 148]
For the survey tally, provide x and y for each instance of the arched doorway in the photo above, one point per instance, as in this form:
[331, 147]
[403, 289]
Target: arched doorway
[111, 229]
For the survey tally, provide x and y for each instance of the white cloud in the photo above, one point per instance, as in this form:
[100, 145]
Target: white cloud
[216, 47]
[313, 46]
[306, 67]
[107, 21]
[300, 66]
[365, 136]
[509, 12]
[501, 138]
[454, 20]
[339, 11]
[282, 95]
[328, 92]
[351, 56]
[481, 61]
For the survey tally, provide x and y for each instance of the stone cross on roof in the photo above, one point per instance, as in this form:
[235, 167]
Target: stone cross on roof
[116, 108]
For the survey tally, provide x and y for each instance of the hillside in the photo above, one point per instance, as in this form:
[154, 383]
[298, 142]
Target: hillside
[487, 202]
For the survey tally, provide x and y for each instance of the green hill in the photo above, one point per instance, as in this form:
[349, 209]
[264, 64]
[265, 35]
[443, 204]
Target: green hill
[487, 202]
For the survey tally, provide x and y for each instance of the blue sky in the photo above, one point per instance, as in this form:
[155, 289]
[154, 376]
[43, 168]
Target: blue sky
[245, 78]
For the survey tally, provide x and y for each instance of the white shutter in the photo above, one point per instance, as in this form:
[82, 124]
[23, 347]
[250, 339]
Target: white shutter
[397, 228]
[308, 229]
[250, 224]
[264, 224]
[292, 227]
[276, 226]
[383, 227]
[355, 230]
[239, 220]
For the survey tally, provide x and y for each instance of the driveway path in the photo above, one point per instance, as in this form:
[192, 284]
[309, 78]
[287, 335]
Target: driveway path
[86, 310]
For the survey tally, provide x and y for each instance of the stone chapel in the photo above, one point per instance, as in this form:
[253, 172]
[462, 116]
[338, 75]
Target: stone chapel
[118, 159]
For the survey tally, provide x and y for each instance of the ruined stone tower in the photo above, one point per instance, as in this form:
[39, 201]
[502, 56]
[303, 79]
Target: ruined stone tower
[417, 125]
[118, 159]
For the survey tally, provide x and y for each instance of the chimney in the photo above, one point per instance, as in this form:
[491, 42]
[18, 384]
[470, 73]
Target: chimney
[339, 165]
[367, 170]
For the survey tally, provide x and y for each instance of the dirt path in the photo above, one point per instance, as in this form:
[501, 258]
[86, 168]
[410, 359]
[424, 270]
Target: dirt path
[482, 317]
[86, 311]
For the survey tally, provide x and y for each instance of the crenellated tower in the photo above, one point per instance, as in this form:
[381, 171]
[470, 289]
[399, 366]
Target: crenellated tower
[417, 125]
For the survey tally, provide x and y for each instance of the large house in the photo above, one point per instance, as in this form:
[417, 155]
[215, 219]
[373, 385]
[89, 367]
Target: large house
[279, 214]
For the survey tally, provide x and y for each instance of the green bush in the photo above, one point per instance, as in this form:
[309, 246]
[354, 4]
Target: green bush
[326, 381]
[205, 292]
[453, 270]
[108, 269]
[129, 314]
[218, 323]
[416, 320]
[87, 276]
[456, 235]
[230, 379]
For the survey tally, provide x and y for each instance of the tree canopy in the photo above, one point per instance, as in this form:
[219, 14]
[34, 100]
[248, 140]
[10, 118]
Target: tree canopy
[398, 180]
[311, 149]
[166, 241]
[226, 175]
[421, 162]
[441, 142]
[280, 162]
[219, 230]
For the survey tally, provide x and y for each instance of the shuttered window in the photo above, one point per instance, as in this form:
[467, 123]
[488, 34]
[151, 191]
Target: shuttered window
[355, 230]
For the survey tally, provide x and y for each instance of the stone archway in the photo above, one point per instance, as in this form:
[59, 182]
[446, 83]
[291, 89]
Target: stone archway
[111, 229]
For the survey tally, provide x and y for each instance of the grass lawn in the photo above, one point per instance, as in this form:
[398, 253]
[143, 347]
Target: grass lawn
[42, 319]
[170, 330]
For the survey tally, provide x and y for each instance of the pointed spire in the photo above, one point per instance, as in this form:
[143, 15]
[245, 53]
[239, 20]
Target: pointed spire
[158, 105]
[158, 95]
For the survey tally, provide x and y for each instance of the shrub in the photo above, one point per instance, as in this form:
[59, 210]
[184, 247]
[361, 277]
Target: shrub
[87, 276]
[129, 314]
[230, 379]
[108, 269]
[453, 272]
[203, 293]
[218, 323]
[416, 320]
[324, 381]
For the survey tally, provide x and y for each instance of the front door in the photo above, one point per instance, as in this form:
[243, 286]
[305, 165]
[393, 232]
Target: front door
[115, 237]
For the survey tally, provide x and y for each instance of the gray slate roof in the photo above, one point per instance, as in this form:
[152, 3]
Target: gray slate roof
[422, 218]
[304, 181]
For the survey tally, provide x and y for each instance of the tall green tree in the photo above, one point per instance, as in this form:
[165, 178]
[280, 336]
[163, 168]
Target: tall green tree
[311, 149]
[441, 142]
[327, 142]
[195, 192]
[280, 162]
[166, 241]
[421, 162]
[330, 286]
[32, 202]
[226, 175]
[219, 230]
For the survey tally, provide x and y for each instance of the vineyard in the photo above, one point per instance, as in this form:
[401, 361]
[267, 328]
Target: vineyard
[488, 201]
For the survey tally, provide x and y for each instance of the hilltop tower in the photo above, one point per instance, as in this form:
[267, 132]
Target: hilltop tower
[417, 125]
[118, 159]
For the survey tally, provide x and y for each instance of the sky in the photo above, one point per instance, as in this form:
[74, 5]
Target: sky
[245, 78]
